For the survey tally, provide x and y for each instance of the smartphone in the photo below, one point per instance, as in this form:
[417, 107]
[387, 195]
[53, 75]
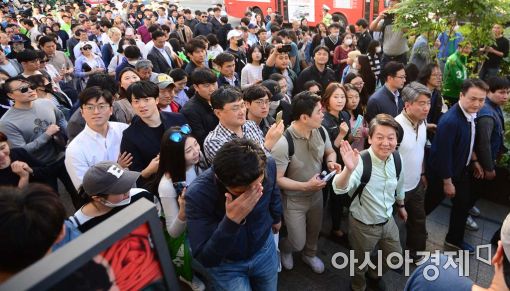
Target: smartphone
[179, 186]
[279, 116]
[359, 122]
[286, 48]
[329, 176]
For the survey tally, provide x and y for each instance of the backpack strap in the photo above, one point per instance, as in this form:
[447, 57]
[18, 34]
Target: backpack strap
[398, 166]
[290, 143]
[323, 134]
[365, 176]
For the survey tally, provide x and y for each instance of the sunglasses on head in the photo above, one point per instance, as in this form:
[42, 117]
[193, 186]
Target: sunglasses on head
[179, 134]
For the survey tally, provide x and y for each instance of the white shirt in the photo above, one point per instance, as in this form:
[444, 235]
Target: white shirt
[471, 119]
[150, 45]
[89, 148]
[77, 48]
[412, 150]
[165, 55]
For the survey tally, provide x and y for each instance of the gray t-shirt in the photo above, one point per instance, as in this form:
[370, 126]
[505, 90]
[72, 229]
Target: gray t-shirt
[307, 158]
[25, 128]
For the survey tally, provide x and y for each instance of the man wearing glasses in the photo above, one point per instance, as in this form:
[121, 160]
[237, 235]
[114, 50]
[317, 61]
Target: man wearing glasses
[203, 27]
[387, 98]
[230, 109]
[100, 139]
[37, 126]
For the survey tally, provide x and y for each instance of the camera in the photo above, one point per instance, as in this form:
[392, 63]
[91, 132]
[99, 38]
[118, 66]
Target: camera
[286, 48]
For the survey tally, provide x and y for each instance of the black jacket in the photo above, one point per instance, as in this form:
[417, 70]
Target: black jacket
[203, 29]
[313, 74]
[383, 101]
[159, 63]
[222, 81]
[140, 141]
[200, 116]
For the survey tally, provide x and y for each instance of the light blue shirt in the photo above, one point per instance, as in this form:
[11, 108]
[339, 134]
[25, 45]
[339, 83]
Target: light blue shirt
[378, 197]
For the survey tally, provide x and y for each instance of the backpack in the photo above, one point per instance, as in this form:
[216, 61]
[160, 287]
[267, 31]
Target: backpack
[367, 172]
[290, 141]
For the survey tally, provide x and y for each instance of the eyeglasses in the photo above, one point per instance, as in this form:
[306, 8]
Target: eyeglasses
[100, 107]
[43, 61]
[23, 89]
[85, 48]
[179, 134]
[261, 102]
[401, 77]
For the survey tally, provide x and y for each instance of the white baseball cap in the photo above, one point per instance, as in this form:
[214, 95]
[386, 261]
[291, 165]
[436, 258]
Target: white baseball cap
[233, 33]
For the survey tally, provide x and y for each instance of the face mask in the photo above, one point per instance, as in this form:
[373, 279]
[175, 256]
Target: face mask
[378, 49]
[348, 41]
[240, 42]
[113, 205]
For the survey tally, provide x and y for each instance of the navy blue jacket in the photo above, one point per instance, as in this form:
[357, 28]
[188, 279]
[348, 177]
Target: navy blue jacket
[383, 101]
[142, 142]
[450, 148]
[222, 81]
[215, 238]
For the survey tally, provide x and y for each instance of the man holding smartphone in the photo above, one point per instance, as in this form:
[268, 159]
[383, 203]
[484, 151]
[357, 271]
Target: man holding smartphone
[298, 177]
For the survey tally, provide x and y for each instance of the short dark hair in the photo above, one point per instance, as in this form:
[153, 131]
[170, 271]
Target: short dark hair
[391, 69]
[44, 39]
[203, 76]
[470, 83]
[261, 30]
[497, 83]
[334, 25]
[27, 56]
[362, 22]
[283, 33]
[177, 74]
[216, 9]
[304, 103]
[239, 162]
[194, 44]
[224, 95]
[309, 84]
[132, 52]
[255, 92]
[157, 33]
[382, 119]
[212, 39]
[224, 19]
[32, 219]
[223, 58]
[95, 93]
[7, 84]
[104, 81]
[245, 20]
[142, 89]
[320, 47]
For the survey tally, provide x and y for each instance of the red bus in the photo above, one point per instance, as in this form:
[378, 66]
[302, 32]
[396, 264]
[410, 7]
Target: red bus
[348, 10]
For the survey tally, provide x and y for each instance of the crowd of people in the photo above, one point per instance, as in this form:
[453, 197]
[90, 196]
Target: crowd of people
[232, 130]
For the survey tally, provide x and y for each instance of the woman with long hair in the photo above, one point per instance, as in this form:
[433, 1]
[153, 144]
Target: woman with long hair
[374, 56]
[252, 72]
[322, 32]
[354, 108]
[365, 71]
[180, 162]
[336, 123]
[122, 109]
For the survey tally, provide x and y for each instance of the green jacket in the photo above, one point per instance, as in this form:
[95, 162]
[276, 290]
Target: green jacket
[455, 72]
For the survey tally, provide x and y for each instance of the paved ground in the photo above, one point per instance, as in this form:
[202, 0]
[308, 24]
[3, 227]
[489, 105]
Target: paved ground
[303, 279]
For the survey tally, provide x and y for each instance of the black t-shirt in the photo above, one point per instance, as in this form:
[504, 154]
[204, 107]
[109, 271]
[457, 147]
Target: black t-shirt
[157, 131]
[8, 177]
[501, 45]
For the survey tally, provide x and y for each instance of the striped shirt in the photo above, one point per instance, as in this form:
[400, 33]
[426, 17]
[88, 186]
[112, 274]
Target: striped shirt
[221, 135]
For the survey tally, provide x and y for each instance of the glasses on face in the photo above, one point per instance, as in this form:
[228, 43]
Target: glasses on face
[23, 89]
[100, 107]
[86, 48]
[179, 134]
[401, 77]
[261, 102]
[43, 61]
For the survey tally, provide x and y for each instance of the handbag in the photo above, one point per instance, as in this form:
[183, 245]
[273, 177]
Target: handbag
[180, 253]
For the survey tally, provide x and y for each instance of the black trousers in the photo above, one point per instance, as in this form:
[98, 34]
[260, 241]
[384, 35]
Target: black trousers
[463, 201]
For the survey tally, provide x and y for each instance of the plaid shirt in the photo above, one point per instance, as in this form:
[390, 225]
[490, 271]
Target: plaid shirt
[221, 135]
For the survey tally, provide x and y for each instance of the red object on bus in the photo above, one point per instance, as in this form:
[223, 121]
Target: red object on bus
[95, 2]
[348, 10]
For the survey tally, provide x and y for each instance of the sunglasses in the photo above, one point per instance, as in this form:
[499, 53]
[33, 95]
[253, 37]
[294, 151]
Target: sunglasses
[86, 48]
[179, 134]
[23, 89]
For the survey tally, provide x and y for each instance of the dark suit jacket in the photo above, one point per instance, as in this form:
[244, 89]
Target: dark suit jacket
[383, 101]
[222, 81]
[139, 139]
[158, 61]
[201, 117]
[216, 25]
